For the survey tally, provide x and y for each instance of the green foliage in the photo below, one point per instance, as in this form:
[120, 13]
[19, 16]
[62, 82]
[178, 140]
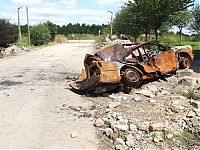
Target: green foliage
[40, 34]
[8, 33]
[149, 15]
[53, 28]
[181, 20]
[190, 94]
[195, 26]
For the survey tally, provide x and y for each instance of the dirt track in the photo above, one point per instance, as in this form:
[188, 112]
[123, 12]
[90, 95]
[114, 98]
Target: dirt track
[34, 99]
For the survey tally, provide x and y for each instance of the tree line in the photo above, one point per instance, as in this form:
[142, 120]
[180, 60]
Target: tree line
[157, 16]
[44, 33]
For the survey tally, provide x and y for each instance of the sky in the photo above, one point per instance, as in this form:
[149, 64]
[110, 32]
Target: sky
[60, 12]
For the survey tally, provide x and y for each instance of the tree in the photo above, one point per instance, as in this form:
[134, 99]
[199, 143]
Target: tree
[52, 28]
[126, 22]
[40, 34]
[8, 33]
[195, 26]
[181, 20]
[152, 14]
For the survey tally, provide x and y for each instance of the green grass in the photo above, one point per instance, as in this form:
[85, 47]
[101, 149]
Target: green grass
[190, 94]
[24, 42]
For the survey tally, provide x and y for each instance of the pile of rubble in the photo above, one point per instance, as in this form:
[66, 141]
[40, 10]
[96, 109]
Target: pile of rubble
[162, 114]
[12, 50]
[159, 115]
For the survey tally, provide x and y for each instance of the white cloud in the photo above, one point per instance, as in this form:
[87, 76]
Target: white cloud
[27, 2]
[109, 2]
[69, 2]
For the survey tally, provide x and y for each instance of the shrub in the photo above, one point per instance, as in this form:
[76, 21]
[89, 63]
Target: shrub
[40, 34]
[8, 33]
[52, 28]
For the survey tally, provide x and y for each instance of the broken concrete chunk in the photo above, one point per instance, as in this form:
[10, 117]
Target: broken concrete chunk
[146, 93]
[99, 122]
[184, 72]
[119, 141]
[152, 88]
[195, 122]
[120, 128]
[188, 81]
[191, 114]
[114, 105]
[196, 104]
[132, 127]
[144, 126]
[157, 127]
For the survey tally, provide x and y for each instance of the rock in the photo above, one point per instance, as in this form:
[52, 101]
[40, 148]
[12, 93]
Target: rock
[164, 92]
[158, 137]
[120, 128]
[137, 99]
[120, 147]
[114, 105]
[118, 98]
[152, 88]
[108, 131]
[74, 134]
[132, 127]
[196, 104]
[122, 122]
[188, 81]
[195, 122]
[144, 126]
[169, 136]
[152, 101]
[87, 114]
[99, 122]
[119, 141]
[144, 92]
[197, 111]
[113, 136]
[75, 108]
[157, 127]
[130, 143]
[184, 72]
[191, 114]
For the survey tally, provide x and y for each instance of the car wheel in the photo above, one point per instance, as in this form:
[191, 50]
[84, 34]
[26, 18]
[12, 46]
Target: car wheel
[131, 77]
[184, 62]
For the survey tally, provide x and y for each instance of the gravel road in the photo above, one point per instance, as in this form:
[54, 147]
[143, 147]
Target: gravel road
[34, 99]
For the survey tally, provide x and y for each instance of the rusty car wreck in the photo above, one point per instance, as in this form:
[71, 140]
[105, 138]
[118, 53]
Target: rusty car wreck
[123, 66]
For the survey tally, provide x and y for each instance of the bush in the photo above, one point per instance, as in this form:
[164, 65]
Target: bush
[8, 33]
[40, 34]
[52, 28]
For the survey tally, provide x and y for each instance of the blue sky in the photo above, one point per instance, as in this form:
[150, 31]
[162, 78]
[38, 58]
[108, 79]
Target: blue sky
[61, 11]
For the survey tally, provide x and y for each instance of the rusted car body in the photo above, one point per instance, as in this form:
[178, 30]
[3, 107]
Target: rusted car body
[125, 66]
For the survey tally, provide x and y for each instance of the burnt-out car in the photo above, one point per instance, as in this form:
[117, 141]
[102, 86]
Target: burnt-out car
[125, 66]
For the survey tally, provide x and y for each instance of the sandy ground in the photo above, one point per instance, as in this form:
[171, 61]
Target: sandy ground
[34, 99]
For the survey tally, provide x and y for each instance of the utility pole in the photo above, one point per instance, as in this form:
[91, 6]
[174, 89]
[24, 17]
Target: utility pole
[19, 28]
[111, 23]
[29, 38]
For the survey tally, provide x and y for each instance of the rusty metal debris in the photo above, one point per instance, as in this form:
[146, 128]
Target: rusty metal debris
[125, 66]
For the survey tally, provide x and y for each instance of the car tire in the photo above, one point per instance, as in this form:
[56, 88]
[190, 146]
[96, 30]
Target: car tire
[184, 62]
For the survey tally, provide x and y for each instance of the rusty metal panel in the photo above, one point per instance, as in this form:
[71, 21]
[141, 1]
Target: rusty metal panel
[108, 72]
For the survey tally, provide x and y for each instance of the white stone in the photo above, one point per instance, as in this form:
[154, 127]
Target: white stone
[191, 114]
[157, 127]
[152, 101]
[120, 128]
[114, 105]
[132, 127]
[99, 122]
[152, 88]
[108, 131]
[144, 92]
[119, 141]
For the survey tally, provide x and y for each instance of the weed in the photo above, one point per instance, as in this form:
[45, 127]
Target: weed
[190, 94]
